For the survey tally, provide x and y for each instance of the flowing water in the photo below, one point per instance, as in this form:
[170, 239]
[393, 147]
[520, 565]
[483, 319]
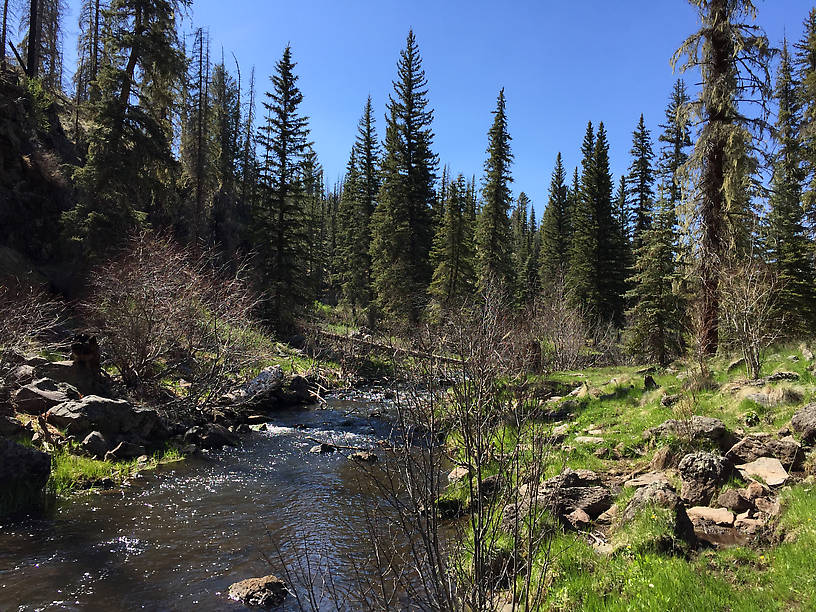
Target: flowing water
[178, 537]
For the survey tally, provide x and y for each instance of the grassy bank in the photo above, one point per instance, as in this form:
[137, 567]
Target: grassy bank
[643, 566]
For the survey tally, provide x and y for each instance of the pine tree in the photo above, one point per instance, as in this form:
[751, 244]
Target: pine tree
[733, 58]
[582, 272]
[676, 139]
[555, 229]
[532, 265]
[640, 182]
[788, 243]
[281, 218]
[129, 153]
[402, 224]
[612, 254]
[493, 232]
[453, 252]
[227, 223]
[622, 210]
[520, 245]
[656, 330]
[806, 76]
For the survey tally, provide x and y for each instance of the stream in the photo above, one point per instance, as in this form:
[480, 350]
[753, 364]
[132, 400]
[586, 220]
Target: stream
[177, 537]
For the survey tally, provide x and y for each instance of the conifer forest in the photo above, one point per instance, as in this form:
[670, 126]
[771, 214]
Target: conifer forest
[234, 378]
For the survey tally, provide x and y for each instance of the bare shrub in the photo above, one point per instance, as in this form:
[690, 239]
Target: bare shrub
[477, 414]
[168, 315]
[569, 335]
[28, 318]
[748, 296]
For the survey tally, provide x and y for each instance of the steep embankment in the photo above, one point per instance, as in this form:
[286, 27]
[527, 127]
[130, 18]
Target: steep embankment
[36, 157]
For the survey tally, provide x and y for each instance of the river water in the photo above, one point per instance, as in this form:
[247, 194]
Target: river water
[176, 538]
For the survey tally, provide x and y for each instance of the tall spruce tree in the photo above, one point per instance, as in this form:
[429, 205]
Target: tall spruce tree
[676, 139]
[733, 59]
[282, 225]
[402, 224]
[789, 248]
[582, 272]
[521, 244]
[612, 255]
[656, 324]
[555, 229]
[493, 231]
[806, 77]
[640, 183]
[454, 277]
[532, 266]
[129, 152]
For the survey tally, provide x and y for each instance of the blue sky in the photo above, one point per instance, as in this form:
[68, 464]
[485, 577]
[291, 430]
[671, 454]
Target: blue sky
[561, 64]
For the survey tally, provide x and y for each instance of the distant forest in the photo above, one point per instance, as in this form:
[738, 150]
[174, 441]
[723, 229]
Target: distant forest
[714, 220]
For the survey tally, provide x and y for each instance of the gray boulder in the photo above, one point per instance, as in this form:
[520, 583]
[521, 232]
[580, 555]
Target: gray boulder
[109, 416]
[23, 474]
[702, 474]
[697, 429]
[754, 446]
[42, 394]
[804, 423]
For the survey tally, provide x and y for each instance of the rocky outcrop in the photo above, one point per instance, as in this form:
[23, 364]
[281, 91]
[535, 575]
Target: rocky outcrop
[271, 389]
[661, 495]
[752, 447]
[697, 429]
[23, 474]
[42, 394]
[576, 497]
[113, 418]
[266, 592]
[702, 474]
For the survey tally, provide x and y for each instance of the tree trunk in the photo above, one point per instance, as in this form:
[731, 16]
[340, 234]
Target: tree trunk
[3, 33]
[94, 54]
[33, 60]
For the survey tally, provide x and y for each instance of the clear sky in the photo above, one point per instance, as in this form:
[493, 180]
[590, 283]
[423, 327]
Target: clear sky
[561, 64]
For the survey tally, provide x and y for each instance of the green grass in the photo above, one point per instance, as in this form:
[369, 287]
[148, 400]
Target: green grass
[70, 472]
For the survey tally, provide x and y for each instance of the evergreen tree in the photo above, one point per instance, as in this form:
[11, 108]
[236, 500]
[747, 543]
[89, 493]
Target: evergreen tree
[402, 224]
[732, 57]
[806, 76]
[532, 264]
[612, 256]
[640, 182]
[281, 223]
[89, 50]
[788, 242]
[493, 232]
[130, 161]
[582, 272]
[453, 252]
[656, 330]
[555, 229]
[520, 245]
[45, 55]
[676, 139]
[622, 211]
[227, 222]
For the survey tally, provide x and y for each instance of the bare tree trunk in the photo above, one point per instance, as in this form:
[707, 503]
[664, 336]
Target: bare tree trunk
[3, 34]
[33, 59]
[94, 54]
